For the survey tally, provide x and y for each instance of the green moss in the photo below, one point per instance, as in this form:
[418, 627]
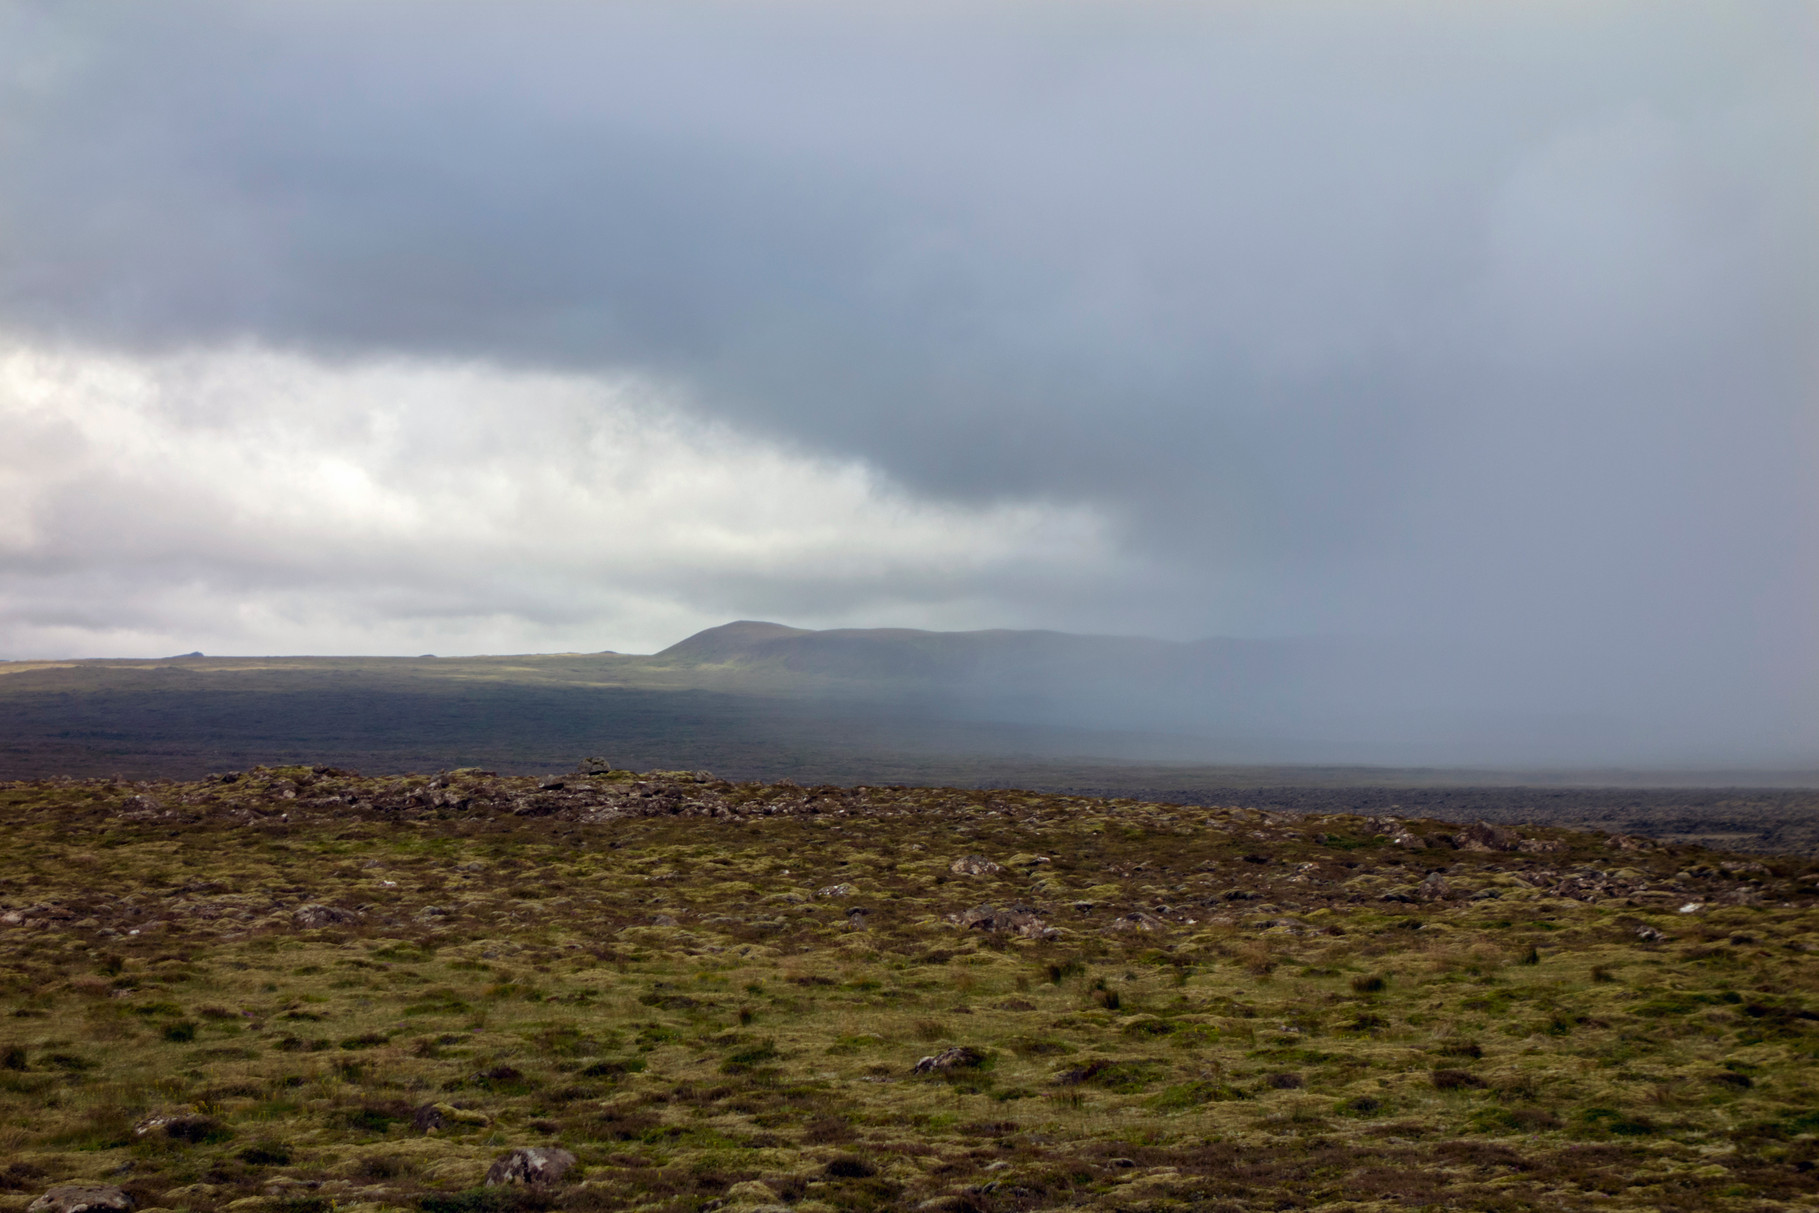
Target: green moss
[1301, 1039]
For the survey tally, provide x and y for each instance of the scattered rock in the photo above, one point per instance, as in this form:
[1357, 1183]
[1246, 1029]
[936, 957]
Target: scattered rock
[663, 920]
[1018, 920]
[82, 1198]
[962, 1057]
[837, 890]
[1648, 934]
[1398, 833]
[534, 1165]
[1434, 888]
[972, 865]
[314, 916]
[1137, 920]
[1483, 836]
[1630, 842]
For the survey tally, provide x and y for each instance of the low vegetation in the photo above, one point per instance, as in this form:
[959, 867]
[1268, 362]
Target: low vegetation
[299, 990]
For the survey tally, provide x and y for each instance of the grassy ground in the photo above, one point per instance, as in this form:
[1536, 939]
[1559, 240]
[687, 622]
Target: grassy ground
[301, 990]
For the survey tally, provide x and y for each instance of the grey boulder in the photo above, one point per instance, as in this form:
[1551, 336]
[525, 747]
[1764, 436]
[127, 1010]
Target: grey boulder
[535, 1165]
[82, 1198]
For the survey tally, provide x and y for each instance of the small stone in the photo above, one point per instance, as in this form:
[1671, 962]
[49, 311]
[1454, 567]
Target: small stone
[837, 890]
[534, 1165]
[972, 865]
[82, 1198]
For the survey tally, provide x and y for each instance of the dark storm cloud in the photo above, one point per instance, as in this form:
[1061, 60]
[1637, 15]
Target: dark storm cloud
[1487, 325]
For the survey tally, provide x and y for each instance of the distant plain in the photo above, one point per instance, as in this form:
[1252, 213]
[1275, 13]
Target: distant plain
[760, 702]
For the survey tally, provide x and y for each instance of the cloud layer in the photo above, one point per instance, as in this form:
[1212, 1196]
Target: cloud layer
[250, 500]
[1487, 328]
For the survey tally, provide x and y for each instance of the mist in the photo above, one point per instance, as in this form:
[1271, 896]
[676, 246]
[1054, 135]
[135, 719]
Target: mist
[1473, 347]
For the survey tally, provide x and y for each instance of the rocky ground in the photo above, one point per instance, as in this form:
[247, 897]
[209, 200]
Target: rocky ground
[296, 989]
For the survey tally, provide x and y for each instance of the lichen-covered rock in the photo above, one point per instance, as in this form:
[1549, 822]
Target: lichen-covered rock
[534, 1165]
[1483, 836]
[962, 1057]
[1137, 920]
[83, 1198]
[314, 916]
[1016, 920]
[972, 865]
[141, 808]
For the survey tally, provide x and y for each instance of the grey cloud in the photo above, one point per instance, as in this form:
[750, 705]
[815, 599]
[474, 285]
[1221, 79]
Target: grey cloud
[1483, 327]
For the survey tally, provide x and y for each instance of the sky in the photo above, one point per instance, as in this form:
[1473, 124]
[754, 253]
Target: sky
[1483, 330]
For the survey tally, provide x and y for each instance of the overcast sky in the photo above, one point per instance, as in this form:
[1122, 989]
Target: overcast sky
[403, 327]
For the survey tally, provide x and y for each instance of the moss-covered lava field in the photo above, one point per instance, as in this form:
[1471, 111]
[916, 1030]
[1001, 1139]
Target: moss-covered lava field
[299, 990]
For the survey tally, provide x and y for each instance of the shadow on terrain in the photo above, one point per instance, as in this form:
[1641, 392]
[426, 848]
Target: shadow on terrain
[182, 719]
